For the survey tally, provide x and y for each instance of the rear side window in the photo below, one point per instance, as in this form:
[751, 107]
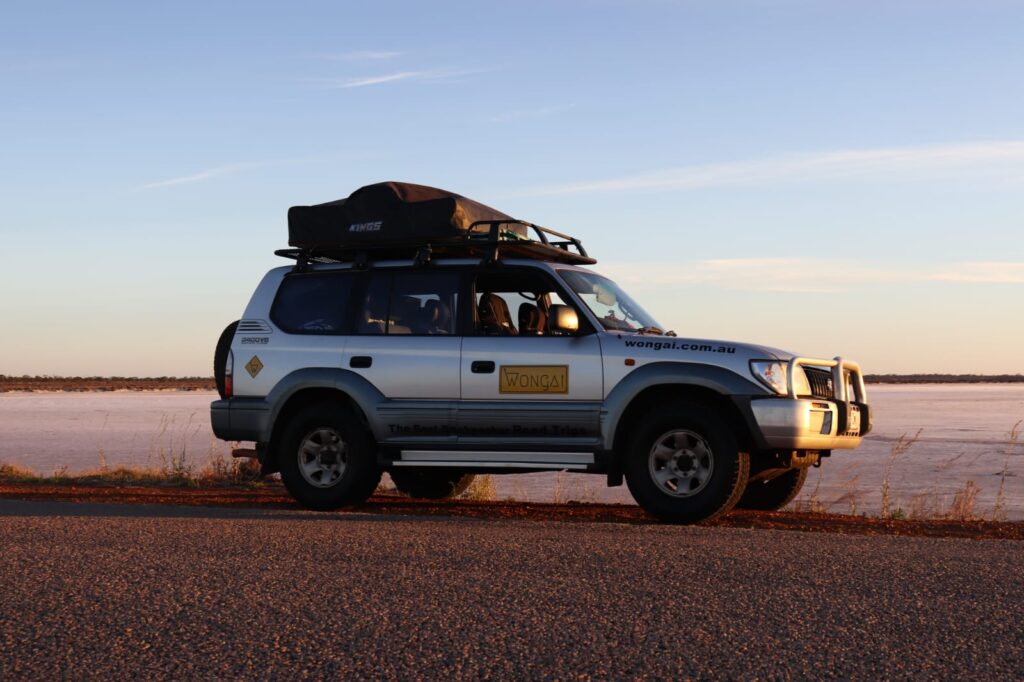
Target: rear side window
[419, 303]
[312, 303]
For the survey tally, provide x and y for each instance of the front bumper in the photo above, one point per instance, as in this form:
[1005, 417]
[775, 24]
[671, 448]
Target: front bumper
[810, 423]
[241, 419]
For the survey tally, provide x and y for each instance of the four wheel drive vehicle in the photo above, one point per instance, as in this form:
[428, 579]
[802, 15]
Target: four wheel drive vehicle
[431, 337]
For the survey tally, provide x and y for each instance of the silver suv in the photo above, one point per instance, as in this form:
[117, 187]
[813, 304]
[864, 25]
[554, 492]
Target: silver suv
[436, 369]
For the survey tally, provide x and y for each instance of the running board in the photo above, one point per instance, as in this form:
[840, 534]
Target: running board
[495, 460]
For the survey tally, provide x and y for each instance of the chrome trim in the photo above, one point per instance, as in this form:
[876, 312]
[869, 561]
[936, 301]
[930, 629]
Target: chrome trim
[839, 367]
[561, 459]
[490, 465]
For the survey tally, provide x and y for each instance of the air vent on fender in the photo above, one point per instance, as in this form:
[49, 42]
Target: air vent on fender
[253, 327]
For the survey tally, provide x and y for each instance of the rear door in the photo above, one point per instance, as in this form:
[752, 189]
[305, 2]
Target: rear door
[524, 386]
[404, 342]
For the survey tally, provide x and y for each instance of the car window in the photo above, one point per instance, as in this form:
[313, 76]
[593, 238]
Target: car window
[419, 302]
[514, 303]
[312, 303]
[609, 303]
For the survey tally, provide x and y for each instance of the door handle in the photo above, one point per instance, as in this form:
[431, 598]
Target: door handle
[482, 366]
[360, 361]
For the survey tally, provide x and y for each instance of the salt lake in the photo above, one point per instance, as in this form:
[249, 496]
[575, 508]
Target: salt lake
[962, 435]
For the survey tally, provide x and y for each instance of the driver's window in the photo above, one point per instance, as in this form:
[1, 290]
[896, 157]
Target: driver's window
[514, 303]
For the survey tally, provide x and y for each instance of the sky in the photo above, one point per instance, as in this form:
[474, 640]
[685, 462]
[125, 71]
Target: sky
[831, 178]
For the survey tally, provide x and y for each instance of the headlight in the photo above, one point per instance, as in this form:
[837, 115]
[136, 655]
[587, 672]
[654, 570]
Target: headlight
[772, 374]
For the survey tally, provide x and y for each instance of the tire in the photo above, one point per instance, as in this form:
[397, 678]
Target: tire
[431, 484]
[327, 458]
[220, 355]
[683, 464]
[774, 493]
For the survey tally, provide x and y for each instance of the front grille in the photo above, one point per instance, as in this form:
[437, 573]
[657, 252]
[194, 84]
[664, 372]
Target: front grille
[820, 381]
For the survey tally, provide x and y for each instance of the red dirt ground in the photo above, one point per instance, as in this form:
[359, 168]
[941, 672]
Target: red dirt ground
[275, 497]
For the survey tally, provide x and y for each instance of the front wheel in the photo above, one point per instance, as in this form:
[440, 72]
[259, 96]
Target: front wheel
[684, 464]
[774, 493]
[431, 484]
[327, 459]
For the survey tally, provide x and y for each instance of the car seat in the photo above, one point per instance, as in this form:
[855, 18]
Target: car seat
[531, 320]
[437, 317]
[495, 320]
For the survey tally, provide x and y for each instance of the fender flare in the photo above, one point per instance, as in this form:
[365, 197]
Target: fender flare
[364, 394]
[723, 381]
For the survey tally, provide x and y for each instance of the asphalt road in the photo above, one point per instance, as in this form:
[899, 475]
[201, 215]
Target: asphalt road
[95, 591]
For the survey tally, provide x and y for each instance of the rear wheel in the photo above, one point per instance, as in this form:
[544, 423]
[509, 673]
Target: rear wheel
[327, 459]
[431, 484]
[774, 493]
[684, 464]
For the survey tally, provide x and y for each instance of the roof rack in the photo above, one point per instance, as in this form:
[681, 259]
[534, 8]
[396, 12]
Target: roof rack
[485, 239]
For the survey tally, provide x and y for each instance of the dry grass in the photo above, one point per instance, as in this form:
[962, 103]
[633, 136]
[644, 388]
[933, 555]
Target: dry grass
[558, 494]
[12, 473]
[218, 472]
[958, 505]
[898, 450]
[964, 500]
[482, 489]
[813, 502]
[998, 510]
[386, 488]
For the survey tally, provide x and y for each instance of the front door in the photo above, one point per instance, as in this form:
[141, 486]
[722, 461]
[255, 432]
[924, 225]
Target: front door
[525, 386]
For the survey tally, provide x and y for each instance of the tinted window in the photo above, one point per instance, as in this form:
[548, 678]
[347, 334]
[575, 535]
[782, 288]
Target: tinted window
[313, 303]
[417, 302]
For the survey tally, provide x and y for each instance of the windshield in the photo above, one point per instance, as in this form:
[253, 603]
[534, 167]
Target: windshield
[610, 304]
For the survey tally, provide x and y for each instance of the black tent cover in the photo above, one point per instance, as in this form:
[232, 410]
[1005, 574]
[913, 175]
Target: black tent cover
[389, 214]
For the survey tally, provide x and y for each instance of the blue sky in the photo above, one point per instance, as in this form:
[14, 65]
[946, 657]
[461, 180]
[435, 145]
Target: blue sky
[830, 178]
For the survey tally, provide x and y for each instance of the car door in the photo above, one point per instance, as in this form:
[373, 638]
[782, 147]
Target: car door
[404, 342]
[524, 385]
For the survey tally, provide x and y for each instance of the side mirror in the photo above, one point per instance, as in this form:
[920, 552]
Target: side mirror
[562, 318]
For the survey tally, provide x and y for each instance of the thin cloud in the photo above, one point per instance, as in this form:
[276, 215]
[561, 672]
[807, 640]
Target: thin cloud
[892, 163]
[450, 76]
[233, 168]
[377, 80]
[209, 173]
[809, 275]
[519, 114]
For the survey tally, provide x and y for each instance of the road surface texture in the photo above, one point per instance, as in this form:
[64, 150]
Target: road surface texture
[105, 591]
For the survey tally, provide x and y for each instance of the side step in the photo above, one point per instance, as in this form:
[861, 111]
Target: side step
[495, 460]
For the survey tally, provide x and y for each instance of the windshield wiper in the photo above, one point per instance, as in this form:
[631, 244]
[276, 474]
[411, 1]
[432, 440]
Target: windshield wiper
[650, 330]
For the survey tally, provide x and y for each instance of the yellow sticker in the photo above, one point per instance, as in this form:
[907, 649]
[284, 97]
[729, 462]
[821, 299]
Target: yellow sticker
[534, 379]
[254, 366]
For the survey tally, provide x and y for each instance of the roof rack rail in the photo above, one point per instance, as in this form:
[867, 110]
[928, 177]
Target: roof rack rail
[484, 238]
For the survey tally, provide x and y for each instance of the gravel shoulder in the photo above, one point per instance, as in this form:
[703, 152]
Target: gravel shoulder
[103, 591]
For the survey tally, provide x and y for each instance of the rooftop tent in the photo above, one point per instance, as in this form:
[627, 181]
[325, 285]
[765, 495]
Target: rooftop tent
[389, 214]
